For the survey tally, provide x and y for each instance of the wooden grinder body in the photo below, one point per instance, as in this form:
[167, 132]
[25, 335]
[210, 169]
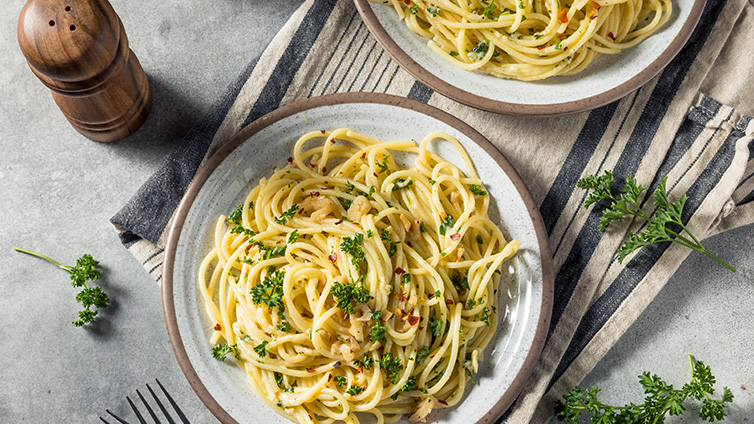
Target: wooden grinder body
[79, 49]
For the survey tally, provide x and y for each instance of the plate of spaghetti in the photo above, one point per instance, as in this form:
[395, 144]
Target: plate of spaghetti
[532, 57]
[357, 258]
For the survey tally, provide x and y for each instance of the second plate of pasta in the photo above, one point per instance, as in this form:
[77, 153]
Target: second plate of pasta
[532, 57]
[393, 269]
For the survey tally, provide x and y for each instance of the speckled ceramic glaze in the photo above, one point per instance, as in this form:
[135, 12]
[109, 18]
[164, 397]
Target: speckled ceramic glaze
[227, 177]
[608, 78]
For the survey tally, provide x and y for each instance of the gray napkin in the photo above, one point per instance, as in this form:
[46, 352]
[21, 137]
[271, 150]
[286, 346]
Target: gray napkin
[689, 123]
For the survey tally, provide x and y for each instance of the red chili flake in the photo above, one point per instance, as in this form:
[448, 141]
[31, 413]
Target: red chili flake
[592, 14]
[337, 364]
[611, 36]
[449, 301]
[332, 140]
[324, 169]
[329, 377]
[313, 165]
[413, 319]
[596, 5]
[407, 2]
[408, 243]
[311, 370]
[443, 402]
[218, 327]
[333, 257]
[290, 160]
[400, 271]
[743, 387]
[455, 236]
[541, 47]
[314, 194]
[563, 16]
[322, 131]
[340, 220]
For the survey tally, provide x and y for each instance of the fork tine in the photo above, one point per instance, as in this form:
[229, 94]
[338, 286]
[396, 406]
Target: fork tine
[162, 408]
[138, 415]
[144, 401]
[104, 420]
[172, 402]
[120, 420]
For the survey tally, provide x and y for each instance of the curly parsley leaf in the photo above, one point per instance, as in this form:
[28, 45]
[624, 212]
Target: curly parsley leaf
[84, 270]
[378, 332]
[665, 224]
[392, 366]
[661, 399]
[390, 245]
[354, 247]
[270, 290]
[221, 350]
[435, 324]
[421, 355]
[348, 294]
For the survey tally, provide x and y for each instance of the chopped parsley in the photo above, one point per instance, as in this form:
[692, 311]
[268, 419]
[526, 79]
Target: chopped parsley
[222, 349]
[433, 10]
[388, 242]
[345, 202]
[410, 384]
[383, 165]
[261, 349]
[414, 9]
[406, 278]
[485, 318]
[392, 366]
[278, 379]
[284, 326]
[402, 184]
[270, 290]
[435, 324]
[453, 53]
[446, 223]
[354, 390]
[369, 233]
[476, 190]
[378, 332]
[421, 355]
[340, 380]
[460, 283]
[479, 239]
[292, 237]
[353, 246]
[287, 215]
[347, 294]
[376, 315]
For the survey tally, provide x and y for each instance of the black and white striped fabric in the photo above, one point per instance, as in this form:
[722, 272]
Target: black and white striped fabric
[667, 128]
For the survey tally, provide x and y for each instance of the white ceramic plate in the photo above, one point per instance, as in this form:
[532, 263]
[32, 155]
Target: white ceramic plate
[609, 78]
[226, 178]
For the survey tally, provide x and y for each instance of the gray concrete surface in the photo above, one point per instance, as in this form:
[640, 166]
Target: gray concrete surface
[58, 191]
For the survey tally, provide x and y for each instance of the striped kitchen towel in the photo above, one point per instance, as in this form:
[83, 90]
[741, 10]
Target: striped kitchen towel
[689, 123]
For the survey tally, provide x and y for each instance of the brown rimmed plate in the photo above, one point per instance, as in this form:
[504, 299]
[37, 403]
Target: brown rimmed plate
[609, 78]
[227, 176]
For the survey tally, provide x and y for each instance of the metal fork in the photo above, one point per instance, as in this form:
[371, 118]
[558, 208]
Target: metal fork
[178, 411]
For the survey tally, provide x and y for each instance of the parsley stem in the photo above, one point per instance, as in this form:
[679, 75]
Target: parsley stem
[39, 255]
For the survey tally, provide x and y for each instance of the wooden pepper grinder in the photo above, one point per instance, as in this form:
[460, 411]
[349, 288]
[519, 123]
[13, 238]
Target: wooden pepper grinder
[79, 49]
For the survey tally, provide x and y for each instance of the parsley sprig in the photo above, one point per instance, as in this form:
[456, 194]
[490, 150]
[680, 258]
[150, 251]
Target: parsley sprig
[348, 294]
[661, 399]
[84, 270]
[664, 225]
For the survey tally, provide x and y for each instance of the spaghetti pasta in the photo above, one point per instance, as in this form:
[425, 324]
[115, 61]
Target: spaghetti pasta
[531, 39]
[346, 283]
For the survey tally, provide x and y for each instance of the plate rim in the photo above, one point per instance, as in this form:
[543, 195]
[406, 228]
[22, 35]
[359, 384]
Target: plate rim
[445, 88]
[223, 152]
